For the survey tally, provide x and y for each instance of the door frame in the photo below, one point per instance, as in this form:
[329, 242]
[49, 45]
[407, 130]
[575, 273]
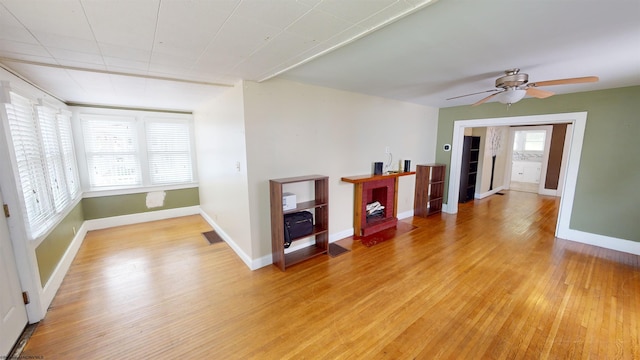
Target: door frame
[19, 309]
[579, 121]
[548, 129]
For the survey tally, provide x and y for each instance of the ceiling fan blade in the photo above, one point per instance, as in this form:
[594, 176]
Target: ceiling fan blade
[578, 80]
[480, 92]
[485, 99]
[538, 93]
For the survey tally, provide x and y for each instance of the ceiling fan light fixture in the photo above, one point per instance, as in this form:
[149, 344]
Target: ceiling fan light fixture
[511, 96]
[513, 86]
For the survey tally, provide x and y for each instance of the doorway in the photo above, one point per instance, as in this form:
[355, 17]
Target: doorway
[568, 184]
[528, 159]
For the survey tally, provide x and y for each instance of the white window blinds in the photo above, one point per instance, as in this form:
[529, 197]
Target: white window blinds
[52, 157]
[168, 151]
[133, 149]
[68, 153]
[111, 146]
[36, 137]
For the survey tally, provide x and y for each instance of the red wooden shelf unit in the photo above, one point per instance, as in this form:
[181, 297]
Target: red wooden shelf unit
[371, 188]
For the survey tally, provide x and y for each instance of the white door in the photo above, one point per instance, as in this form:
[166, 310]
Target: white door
[13, 314]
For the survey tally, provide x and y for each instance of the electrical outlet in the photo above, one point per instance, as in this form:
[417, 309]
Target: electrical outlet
[387, 150]
[238, 166]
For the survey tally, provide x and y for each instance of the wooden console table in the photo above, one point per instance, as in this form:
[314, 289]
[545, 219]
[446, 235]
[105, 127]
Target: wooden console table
[370, 188]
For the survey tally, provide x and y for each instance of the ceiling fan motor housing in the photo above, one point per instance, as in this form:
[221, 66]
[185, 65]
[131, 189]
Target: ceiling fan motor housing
[512, 79]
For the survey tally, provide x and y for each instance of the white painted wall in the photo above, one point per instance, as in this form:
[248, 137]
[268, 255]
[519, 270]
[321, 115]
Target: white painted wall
[294, 129]
[222, 167]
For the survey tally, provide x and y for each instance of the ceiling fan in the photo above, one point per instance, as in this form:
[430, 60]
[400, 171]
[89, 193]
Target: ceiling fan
[513, 86]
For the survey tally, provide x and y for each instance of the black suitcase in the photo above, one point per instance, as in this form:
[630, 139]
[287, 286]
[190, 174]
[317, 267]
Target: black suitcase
[297, 225]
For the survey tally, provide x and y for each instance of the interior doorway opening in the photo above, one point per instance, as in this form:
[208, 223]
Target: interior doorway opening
[567, 186]
[528, 155]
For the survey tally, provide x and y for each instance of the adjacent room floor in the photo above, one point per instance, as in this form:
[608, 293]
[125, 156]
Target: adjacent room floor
[488, 282]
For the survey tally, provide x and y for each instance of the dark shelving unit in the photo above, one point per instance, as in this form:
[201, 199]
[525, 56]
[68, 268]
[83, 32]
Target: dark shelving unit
[469, 168]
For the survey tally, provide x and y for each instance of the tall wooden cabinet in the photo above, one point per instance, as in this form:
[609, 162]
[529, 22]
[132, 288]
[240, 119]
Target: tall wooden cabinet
[469, 168]
[429, 189]
[319, 206]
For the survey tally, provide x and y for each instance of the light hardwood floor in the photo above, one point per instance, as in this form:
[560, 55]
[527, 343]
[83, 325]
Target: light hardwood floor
[488, 283]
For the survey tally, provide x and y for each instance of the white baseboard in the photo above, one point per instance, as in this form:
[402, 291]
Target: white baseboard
[97, 224]
[241, 254]
[268, 260]
[405, 214]
[628, 246]
[261, 262]
[51, 287]
[254, 264]
[340, 235]
[548, 192]
[488, 193]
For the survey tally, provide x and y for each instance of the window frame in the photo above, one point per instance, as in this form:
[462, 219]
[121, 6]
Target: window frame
[141, 118]
[55, 205]
[131, 150]
[181, 125]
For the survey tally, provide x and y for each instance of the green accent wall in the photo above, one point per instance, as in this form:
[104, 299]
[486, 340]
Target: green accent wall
[52, 248]
[607, 194]
[117, 205]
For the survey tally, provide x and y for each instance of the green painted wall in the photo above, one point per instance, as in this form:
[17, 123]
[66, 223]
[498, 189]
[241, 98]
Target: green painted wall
[50, 251]
[116, 205]
[607, 194]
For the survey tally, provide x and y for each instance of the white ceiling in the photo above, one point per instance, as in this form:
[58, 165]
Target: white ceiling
[175, 54]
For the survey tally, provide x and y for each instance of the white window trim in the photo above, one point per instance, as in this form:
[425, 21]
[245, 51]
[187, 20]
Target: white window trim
[51, 222]
[140, 115]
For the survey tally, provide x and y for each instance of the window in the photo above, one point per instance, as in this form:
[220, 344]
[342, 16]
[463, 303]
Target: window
[68, 152]
[169, 152]
[534, 141]
[111, 149]
[44, 160]
[131, 149]
[529, 140]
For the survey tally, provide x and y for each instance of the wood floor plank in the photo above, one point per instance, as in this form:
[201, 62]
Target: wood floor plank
[490, 282]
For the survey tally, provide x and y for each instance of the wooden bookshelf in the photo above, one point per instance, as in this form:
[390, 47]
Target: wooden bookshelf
[429, 190]
[320, 205]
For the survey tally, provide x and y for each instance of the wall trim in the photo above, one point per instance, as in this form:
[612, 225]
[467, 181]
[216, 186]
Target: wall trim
[103, 223]
[262, 262]
[627, 246]
[55, 281]
[548, 192]
[251, 264]
[445, 209]
[268, 260]
[488, 193]
[405, 214]
[340, 235]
